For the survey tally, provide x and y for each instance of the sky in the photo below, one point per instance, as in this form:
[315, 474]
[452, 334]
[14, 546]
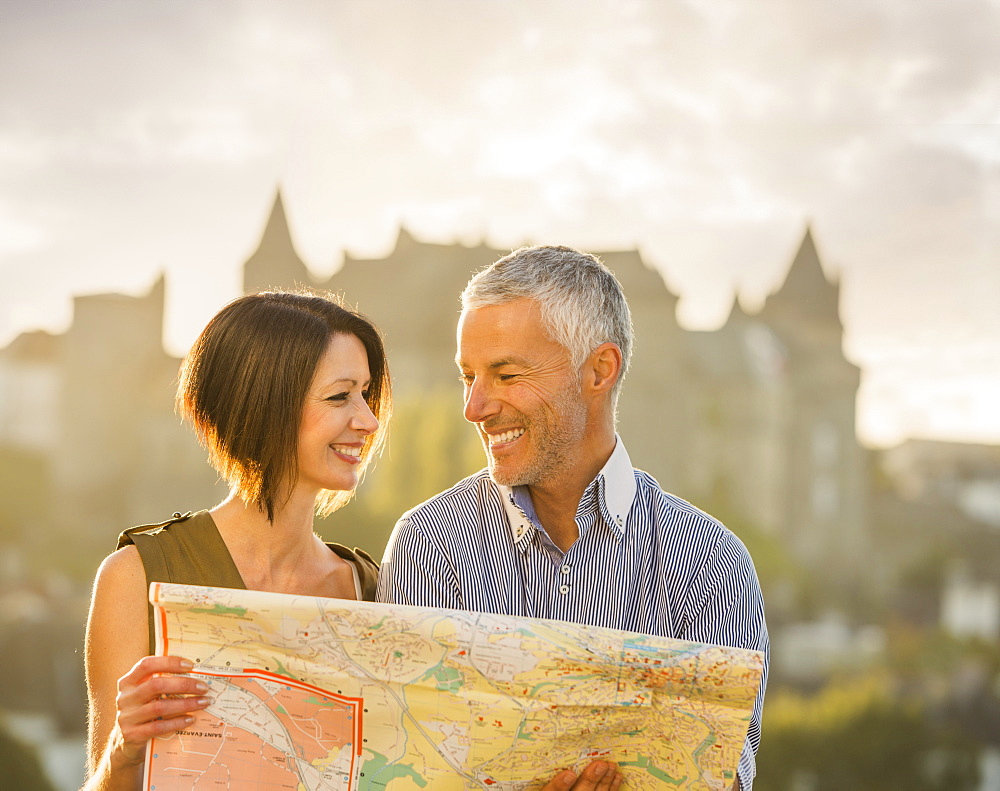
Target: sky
[149, 136]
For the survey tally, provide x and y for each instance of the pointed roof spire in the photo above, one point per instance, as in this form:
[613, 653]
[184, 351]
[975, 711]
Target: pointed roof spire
[159, 287]
[736, 312]
[404, 239]
[276, 237]
[807, 293]
[275, 263]
[806, 275]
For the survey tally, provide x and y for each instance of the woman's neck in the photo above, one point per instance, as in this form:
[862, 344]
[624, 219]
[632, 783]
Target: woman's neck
[268, 553]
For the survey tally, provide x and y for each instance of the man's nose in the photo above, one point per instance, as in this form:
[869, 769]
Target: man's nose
[479, 402]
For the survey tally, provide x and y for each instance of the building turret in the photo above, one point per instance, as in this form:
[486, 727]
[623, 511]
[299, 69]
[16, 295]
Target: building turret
[825, 515]
[275, 264]
[807, 300]
[737, 315]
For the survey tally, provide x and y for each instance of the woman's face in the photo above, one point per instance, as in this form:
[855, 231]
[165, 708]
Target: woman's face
[335, 418]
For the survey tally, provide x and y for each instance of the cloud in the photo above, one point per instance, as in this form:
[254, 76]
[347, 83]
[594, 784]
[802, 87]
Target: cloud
[707, 132]
[18, 235]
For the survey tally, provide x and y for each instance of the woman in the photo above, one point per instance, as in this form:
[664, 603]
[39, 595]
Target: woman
[290, 395]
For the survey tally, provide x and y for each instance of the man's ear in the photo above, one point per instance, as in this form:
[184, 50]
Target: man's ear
[604, 366]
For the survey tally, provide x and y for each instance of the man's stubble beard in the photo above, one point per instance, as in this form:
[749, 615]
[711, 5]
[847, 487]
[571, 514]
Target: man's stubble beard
[552, 446]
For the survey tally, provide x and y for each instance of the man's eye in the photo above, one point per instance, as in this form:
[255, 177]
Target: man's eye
[466, 379]
[506, 377]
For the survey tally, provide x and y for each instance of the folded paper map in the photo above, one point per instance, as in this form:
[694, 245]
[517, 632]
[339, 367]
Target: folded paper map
[321, 694]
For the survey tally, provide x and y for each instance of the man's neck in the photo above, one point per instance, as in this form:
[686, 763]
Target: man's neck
[556, 501]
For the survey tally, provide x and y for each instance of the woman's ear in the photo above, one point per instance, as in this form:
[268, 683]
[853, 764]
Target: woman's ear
[603, 368]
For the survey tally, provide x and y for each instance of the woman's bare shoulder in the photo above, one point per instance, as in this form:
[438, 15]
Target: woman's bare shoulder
[119, 598]
[121, 569]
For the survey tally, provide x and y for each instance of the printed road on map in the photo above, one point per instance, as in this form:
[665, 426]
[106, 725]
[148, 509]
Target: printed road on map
[313, 694]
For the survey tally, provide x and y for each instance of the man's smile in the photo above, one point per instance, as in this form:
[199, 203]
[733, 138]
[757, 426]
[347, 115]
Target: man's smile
[503, 437]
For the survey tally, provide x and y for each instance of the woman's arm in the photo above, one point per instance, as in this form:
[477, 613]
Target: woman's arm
[123, 688]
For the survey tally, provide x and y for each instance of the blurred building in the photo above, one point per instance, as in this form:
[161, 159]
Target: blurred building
[771, 412]
[964, 475]
[970, 607]
[29, 379]
[936, 516]
[756, 419]
[754, 422]
[95, 406]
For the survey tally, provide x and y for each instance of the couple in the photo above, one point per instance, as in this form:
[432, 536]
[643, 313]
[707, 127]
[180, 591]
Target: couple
[290, 394]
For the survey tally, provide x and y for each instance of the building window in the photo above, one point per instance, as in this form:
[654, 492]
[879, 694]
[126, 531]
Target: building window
[825, 496]
[824, 445]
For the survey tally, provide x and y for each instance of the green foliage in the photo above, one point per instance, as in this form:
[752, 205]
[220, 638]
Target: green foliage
[21, 767]
[25, 477]
[856, 735]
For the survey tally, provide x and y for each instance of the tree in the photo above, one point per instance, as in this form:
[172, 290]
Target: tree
[21, 767]
[856, 735]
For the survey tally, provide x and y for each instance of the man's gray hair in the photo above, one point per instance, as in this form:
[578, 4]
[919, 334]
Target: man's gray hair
[581, 301]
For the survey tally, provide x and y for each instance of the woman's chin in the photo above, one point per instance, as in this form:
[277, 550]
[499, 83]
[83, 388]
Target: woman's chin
[339, 484]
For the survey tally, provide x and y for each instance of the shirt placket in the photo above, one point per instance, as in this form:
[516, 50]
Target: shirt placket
[550, 579]
[564, 585]
[568, 586]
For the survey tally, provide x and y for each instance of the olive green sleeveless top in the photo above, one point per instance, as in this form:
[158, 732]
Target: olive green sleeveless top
[189, 550]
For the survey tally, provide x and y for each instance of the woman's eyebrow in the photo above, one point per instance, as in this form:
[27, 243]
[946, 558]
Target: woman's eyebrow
[345, 380]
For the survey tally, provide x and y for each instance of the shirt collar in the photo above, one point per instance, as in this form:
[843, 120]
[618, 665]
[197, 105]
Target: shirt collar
[618, 492]
[619, 484]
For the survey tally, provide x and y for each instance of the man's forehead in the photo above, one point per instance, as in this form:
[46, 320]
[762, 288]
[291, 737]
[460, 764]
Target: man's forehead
[500, 334]
[500, 351]
[521, 313]
[488, 339]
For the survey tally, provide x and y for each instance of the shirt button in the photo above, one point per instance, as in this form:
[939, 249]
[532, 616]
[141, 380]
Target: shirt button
[564, 589]
[564, 569]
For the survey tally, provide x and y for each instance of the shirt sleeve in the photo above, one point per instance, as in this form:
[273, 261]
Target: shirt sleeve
[725, 607]
[417, 570]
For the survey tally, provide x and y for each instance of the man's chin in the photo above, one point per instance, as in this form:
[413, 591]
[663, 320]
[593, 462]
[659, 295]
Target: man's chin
[504, 476]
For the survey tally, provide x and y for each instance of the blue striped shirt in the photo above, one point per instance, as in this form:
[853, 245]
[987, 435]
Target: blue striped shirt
[645, 561]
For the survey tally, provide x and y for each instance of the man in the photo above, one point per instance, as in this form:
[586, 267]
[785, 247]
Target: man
[561, 525]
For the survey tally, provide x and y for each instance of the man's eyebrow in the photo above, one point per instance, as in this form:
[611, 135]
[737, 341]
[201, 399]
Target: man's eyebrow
[499, 363]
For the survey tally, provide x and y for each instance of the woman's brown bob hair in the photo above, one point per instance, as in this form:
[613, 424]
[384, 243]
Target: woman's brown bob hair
[243, 387]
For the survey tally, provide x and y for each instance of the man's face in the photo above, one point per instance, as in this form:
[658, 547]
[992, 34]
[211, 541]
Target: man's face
[521, 392]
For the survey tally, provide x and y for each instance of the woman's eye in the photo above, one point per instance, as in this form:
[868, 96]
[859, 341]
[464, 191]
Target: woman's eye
[338, 397]
[366, 394]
